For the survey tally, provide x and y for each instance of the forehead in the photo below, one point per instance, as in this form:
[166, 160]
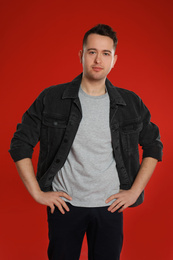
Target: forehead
[99, 42]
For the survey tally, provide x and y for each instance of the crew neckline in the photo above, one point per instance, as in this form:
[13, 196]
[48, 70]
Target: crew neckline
[93, 97]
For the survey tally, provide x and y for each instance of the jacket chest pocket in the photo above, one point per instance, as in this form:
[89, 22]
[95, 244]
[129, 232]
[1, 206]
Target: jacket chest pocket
[130, 135]
[53, 129]
[55, 123]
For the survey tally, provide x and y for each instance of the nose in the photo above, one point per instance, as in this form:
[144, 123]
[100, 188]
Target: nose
[98, 58]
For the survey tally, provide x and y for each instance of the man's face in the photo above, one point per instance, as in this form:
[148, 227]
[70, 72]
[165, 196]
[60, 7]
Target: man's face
[98, 57]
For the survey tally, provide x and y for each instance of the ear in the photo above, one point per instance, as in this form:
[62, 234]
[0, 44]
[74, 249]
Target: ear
[80, 55]
[115, 60]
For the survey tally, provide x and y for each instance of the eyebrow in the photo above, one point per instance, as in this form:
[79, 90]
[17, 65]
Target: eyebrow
[90, 49]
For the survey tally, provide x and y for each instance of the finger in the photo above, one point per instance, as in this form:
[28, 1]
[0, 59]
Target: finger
[122, 208]
[115, 196]
[63, 203]
[65, 195]
[52, 208]
[116, 202]
[59, 206]
[117, 207]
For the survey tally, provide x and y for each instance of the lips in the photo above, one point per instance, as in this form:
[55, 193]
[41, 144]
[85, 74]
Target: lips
[97, 68]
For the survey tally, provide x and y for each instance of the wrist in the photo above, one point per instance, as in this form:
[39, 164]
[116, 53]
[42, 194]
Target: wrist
[135, 192]
[37, 195]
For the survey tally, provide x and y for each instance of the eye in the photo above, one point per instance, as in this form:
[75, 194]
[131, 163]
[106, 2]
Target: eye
[106, 53]
[92, 52]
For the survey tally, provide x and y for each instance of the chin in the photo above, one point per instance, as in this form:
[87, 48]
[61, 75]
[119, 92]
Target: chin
[97, 76]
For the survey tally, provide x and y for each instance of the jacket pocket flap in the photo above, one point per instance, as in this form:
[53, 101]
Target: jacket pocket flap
[54, 122]
[132, 128]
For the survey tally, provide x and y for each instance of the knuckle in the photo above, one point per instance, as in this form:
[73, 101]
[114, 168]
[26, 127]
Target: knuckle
[62, 193]
[60, 200]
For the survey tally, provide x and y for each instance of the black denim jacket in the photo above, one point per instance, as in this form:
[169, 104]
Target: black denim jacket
[54, 117]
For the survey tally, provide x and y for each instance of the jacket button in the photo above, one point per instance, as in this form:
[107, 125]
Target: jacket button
[65, 140]
[57, 160]
[55, 123]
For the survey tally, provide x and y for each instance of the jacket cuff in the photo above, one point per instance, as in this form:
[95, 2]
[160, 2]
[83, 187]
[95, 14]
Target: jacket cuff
[19, 154]
[154, 152]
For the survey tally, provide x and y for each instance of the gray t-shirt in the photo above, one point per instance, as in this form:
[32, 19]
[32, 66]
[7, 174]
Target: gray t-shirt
[89, 174]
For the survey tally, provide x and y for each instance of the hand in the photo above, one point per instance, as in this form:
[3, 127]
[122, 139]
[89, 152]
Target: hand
[52, 199]
[124, 199]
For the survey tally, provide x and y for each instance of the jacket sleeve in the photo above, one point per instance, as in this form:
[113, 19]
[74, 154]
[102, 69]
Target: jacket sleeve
[149, 137]
[27, 133]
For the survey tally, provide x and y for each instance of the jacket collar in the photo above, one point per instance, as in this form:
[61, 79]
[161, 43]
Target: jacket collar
[72, 91]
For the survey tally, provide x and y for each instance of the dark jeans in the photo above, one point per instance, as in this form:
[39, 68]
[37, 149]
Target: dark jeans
[104, 232]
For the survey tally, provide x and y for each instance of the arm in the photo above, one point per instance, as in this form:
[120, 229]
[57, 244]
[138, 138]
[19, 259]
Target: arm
[126, 198]
[51, 199]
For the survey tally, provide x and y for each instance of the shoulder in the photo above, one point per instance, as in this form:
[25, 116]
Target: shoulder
[54, 91]
[56, 88]
[128, 94]
[134, 103]
[122, 93]
[130, 100]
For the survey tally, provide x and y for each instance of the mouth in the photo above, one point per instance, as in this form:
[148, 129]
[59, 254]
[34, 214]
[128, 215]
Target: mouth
[97, 68]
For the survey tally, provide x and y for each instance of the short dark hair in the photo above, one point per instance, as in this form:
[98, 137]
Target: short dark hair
[102, 29]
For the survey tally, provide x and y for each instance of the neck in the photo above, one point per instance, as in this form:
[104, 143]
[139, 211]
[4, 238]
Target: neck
[93, 88]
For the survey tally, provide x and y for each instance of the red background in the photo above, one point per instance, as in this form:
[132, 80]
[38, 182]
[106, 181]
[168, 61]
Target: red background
[40, 41]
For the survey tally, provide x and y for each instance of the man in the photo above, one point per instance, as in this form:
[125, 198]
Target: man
[88, 169]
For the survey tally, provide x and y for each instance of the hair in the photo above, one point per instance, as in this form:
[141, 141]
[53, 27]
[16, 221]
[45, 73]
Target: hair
[102, 29]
